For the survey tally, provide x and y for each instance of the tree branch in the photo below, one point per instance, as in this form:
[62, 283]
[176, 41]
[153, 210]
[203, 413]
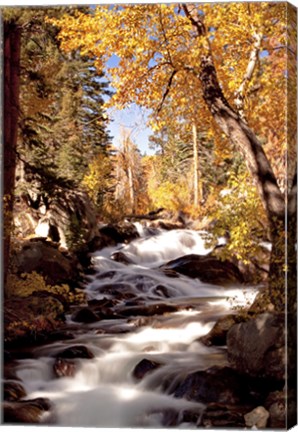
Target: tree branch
[239, 94]
[167, 90]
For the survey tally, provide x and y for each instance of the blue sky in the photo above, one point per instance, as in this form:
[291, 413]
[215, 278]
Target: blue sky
[132, 119]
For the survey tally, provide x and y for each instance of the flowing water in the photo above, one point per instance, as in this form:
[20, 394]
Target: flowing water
[104, 392]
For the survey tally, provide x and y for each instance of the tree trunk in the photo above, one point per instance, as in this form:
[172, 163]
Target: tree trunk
[251, 149]
[196, 173]
[12, 46]
[131, 187]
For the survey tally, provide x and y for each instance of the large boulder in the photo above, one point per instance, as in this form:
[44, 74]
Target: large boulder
[206, 268]
[218, 334]
[44, 257]
[69, 218]
[256, 270]
[112, 234]
[257, 347]
[216, 384]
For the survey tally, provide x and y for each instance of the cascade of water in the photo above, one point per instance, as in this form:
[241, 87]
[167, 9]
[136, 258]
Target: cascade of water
[104, 391]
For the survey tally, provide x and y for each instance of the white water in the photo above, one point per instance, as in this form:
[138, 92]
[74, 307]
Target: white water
[104, 392]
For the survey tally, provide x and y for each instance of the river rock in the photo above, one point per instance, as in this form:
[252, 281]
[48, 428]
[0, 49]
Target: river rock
[257, 347]
[76, 351]
[148, 309]
[13, 391]
[112, 234]
[257, 418]
[253, 272]
[216, 384]
[217, 335]
[217, 415]
[144, 367]
[206, 268]
[85, 315]
[64, 368]
[121, 257]
[44, 257]
[98, 304]
[27, 412]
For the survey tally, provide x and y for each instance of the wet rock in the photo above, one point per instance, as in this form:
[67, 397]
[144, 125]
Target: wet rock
[144, 367]
[60, 335]
[206, 268]
[121, 257]
[106, 275]
[13, 391]
[216, 384]
[77, 351]
[85, 315]
[148, 310]
[142, 321]
[218, 333]
[27, 412]
[257, 347]
[119, 290]
[102, 303]
[257, 418]
[64, 368]
[218, 415]
[161, 290]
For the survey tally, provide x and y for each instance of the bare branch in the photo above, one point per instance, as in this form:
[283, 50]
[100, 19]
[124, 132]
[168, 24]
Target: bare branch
[167, 90]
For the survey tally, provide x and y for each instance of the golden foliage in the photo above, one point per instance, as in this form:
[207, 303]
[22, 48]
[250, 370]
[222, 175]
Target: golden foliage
[151, 41]
[238, 213]
[28, 283]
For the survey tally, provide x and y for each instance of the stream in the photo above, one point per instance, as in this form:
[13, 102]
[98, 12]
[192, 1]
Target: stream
[104, 391]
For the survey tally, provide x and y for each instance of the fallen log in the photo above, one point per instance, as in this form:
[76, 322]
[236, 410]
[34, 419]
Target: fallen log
[153, 215]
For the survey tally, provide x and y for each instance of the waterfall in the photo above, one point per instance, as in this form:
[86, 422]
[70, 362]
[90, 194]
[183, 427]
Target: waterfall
[104, 391]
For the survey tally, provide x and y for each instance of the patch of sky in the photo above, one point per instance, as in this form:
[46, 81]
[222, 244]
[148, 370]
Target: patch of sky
[264, 53]
[133, 120]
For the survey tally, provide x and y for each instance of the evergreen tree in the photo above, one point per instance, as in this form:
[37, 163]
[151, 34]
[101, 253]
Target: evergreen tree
[63, 124]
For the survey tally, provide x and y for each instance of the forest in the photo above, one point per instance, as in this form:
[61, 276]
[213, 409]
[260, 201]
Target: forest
[105, 242]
